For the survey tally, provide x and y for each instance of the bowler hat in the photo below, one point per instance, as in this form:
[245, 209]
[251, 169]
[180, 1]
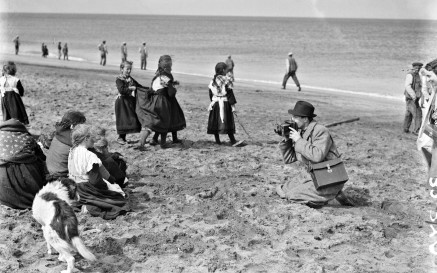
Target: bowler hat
[417, 64]
[303, 109]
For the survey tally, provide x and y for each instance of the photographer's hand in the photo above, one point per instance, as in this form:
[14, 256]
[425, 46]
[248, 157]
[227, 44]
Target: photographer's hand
[294, 135]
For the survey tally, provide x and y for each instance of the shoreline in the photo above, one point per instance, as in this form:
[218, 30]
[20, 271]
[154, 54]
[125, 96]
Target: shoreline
[94, 66]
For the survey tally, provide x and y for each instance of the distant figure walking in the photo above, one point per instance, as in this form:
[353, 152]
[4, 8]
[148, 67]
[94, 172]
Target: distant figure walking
[17, 44]
[144, 54]
[45, 50]
[65, 51]
[291, 68]
[59, 50]
[230, 68]
[413, 93]
[103, 51]
[123, 52]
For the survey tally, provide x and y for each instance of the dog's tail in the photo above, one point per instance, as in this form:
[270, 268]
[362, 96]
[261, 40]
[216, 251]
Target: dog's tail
[82, 249]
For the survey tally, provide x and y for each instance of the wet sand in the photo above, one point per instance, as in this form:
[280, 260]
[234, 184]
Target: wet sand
[201, 207]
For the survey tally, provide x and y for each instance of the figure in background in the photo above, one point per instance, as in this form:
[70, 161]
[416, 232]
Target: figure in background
[126, 120]
[144, 54]
[123, 52]
[291, 69]
[11, 91]
[45, 50]
[413, 93]
[99, 196]
[222, 106]
[230, 68]
[22, 172]
[311, 143]
[59, 50]
[16, 44]
[103, 52]
[65, 51]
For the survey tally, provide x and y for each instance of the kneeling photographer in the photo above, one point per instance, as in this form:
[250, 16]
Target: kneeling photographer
[310, 143]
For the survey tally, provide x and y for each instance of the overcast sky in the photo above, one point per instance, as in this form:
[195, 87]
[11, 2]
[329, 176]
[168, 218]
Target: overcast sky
[390, 9]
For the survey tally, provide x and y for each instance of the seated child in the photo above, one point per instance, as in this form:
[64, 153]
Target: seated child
[100, 197]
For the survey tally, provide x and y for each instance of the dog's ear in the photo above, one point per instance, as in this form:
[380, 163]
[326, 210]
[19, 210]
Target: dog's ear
[71, 187]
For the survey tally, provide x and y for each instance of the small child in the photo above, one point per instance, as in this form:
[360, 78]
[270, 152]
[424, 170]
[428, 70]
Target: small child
[11, 91]
[126, 120]
[222, 106]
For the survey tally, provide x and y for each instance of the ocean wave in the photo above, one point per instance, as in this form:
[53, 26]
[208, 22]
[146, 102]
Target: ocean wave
[52, 56]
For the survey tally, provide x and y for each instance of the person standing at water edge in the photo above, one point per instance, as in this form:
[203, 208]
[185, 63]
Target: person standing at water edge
[413, 92]
[59, 50]
[17, 44]
[65, 51]
[123, 52]
[312, 143]
[230, 68]
[103, 52]
[291, 68]
[144, 54]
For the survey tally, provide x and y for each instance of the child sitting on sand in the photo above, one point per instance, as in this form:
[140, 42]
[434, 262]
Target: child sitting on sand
[100, 197]
[11, 91]
[126, 119]
[222, 106]
[113, 162]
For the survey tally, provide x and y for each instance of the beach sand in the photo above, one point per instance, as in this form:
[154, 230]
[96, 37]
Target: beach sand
[200, 207]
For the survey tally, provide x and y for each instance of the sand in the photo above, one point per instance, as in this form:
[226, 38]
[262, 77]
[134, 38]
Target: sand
[201, 207]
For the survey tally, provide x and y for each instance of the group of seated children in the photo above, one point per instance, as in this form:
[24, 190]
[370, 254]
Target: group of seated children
[74, 150]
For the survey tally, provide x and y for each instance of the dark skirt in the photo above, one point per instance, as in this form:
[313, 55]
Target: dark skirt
[13, 107]
[177, 118]
[126, 120]
[19, 183]
[153, 110]
[102, 203]
[215, 124]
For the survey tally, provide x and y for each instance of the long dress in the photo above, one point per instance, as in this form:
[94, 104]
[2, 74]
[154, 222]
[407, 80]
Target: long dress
[21, 166]
[11, 91]
[154, 106]
[126, 119]
[99, 196]
[221, 118]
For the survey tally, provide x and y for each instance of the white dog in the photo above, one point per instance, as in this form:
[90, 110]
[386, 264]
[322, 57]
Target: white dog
[51, 208]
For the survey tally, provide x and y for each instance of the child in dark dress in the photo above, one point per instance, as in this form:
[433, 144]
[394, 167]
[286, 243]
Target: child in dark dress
[222, 106]
[11, 91]
[125, 116]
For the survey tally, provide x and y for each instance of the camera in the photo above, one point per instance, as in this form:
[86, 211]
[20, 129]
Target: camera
[284, 128]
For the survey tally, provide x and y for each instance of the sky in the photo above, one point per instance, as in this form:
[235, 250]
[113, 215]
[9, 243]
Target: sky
[384, 9]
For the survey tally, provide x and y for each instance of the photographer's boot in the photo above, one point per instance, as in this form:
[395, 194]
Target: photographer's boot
[344, 200]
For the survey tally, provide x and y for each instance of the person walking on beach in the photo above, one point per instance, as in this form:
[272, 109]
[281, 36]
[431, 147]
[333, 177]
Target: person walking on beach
[291, 68]
[126, 120]
[45, 50]
[413, 93]
[103, 52]
[59, 50]
[230, 68]
[17, 44]
[144, 54]
[65, 51]
[123, 52]
[310, 143]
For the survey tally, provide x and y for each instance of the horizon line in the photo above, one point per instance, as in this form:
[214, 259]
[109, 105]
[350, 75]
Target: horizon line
[236, 16]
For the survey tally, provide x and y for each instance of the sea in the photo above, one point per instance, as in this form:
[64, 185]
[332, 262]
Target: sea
[365, 56]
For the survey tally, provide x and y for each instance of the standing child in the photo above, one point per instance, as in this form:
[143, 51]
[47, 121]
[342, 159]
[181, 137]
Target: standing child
[11, 93]
[221, 108]
[65, 51]
[100, 197]
[126, 119]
